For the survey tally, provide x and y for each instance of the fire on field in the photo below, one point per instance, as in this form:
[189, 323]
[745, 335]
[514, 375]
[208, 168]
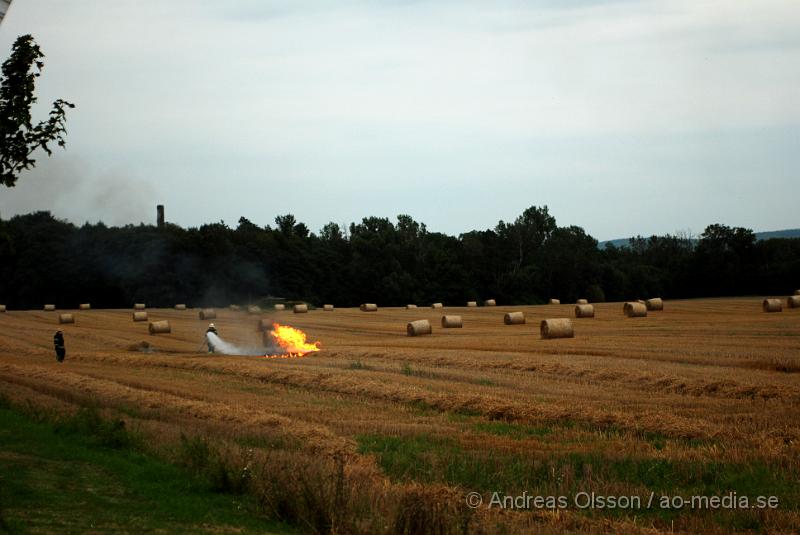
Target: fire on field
[278, 341]
[290, 342]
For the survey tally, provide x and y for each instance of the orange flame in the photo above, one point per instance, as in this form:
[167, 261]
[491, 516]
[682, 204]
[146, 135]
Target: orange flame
[292, 340]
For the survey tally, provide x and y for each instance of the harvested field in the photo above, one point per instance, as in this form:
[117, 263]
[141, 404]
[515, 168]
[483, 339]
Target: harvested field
[700, 399]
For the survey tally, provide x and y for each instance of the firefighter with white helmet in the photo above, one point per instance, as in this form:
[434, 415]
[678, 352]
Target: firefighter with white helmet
[212, 329]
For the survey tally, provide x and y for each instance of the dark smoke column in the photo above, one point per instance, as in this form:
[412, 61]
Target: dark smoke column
[160, 216]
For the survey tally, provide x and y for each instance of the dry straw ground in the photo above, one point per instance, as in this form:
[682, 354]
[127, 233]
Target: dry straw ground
[381, 432]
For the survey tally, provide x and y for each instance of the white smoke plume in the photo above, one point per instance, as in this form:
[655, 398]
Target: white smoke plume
[227, 348]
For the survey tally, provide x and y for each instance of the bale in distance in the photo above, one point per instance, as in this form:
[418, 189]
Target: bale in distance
[254, 309]
[234, 307]
[437, 305]
[66, 318]
[641, 301]
[180, 306]
[555, 301]
[207, 314]
[418, 328]
[410, 307]
[556, 328]
[139, 306]
[139, 315]
[472, 303]
[327, 308]
[300, 309]
[279, 306]
[49, 308]
[85, 306]
[452, 322]
[490, 303]
[159, 327]
[797, 292]
[633, 309]
[368, 307]
[584, 311]
[582, 302]
[2, 308]
[514, 318]
[656, 303]
[771, 305]
[792, 302]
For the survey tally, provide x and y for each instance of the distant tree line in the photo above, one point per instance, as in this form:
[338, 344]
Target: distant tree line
[529, 260]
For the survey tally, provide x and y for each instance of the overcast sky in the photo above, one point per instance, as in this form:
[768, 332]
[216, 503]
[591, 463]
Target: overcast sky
[624, 117]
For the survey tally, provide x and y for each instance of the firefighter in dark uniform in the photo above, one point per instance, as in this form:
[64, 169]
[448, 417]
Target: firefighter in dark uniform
[58, 342]
[211, 329]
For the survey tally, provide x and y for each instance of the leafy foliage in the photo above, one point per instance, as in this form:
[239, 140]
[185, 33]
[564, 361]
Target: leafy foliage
[19, 137]
[530, 260]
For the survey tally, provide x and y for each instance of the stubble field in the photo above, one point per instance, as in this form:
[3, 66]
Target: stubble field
[380, 432]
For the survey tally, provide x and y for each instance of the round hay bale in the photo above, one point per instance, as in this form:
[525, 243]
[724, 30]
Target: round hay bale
[452, 322]
[84, 306]
[49, 308]
[234, 307]
[207, 314]
[633, 309]
[437, 305]
[584, 311]
[66, 318]
[556, 328]
[278, 306]
[327, 308]
[418, 328]
[490, 303]
[368, 307]
[792, 302]
[771, 305]
[2, 308]
[656, 303]
[581, 302]
[255, 309]
[159, 327]
[140, 315]
[180, 306]
[472, 303]
[555, 302]
[514, 318]
[797, 292]
[139, 306]
[409, 307]
[300, 309]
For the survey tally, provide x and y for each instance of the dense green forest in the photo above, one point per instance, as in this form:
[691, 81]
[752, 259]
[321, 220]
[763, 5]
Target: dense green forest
[529, 260]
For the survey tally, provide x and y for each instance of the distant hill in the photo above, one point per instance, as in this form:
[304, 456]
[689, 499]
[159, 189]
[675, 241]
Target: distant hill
[787, 233]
